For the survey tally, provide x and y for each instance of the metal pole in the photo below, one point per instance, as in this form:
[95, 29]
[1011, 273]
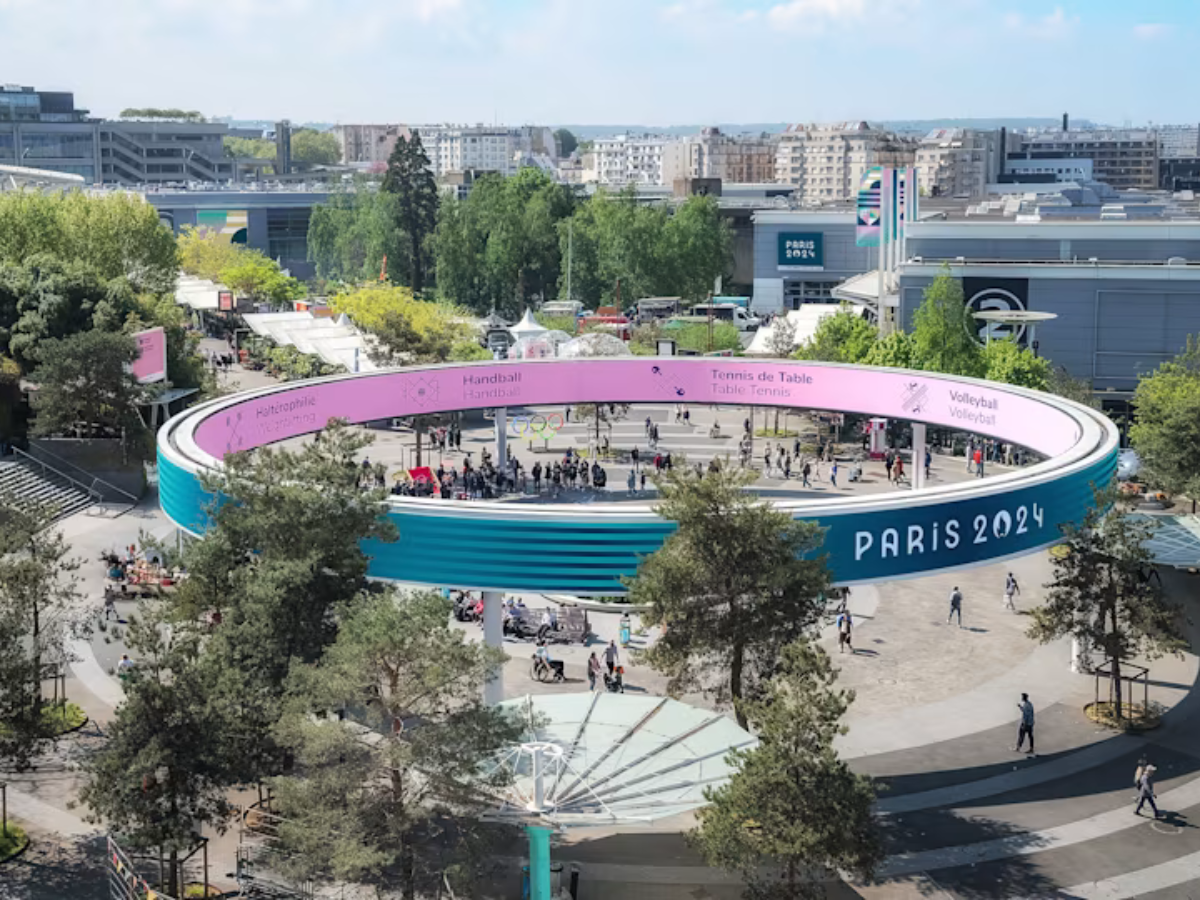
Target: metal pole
[501, 421]
[918, 456]
[539, 862]
[4, 805]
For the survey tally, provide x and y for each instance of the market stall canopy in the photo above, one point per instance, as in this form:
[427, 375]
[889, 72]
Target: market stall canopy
[805, 319]
[1176, 541]
[527, 327]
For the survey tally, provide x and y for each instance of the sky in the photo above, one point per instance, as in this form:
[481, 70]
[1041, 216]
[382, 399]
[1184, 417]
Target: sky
[651, 62]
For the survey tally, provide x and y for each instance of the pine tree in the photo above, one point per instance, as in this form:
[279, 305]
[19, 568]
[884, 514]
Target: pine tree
[410, 179]
[792, 806]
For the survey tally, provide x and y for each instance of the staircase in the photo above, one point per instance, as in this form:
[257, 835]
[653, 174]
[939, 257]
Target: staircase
[28, 486]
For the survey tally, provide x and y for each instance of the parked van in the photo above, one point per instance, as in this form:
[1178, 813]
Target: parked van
[562, 308]
[727, 312]
[651, 309]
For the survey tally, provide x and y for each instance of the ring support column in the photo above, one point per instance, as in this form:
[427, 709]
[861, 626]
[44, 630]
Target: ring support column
[501, 438]
[918, 456]
[493, 636]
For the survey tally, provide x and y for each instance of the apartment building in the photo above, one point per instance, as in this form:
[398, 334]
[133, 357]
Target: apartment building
[369, 145]
[44, 130]
[451, 148]
[1178, 141]
[748, 159]
[958, 162]
[628, 159]
[826, 163]
[1125, 159]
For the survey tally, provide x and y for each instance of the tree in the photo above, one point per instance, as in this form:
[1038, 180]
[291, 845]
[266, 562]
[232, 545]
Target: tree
[84, 381]
[601, 414]
[894, 351]
[39, 610]
[315, 148]
[355, 236]
[1008, 362]
[566, 142]
[1064, 384]
[46, 298]
[1105, 593]
[843, 337]
[283, 551]
[394, 794]
[249, 148]
[781, 342]
[185, 366]
[161, 770]
[408, 330]
[695, 248]
[256, 276]
[116, 235]
[206, 253]
[735, 583]
[1166, 433]
[410, 180]
[184, 115]
[943, 333]
[792, 807]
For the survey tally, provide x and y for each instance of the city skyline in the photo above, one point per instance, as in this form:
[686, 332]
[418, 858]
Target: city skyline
[658, 62]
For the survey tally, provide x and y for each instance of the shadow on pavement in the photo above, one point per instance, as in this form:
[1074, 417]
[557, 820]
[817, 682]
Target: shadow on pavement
[53, 871]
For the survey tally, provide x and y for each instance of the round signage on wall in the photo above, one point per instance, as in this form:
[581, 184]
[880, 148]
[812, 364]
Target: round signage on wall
[996, 299]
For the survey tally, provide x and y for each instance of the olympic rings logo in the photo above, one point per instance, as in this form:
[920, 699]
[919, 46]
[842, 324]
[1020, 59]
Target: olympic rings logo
[544, 427]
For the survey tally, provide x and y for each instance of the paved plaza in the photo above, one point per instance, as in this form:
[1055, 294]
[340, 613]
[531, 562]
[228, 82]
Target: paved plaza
[934, 720]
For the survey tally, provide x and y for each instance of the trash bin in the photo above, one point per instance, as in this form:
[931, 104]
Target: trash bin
[556, 870]
[625, 630]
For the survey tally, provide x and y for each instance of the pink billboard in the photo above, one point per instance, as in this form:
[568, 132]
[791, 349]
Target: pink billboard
[959, 404]
[151, 363]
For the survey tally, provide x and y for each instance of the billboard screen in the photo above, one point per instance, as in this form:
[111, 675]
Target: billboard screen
[151, 363]
[802, 251]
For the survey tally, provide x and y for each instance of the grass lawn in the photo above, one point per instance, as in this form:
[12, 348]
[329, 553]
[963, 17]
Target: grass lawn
[64, 718]
[12, 842]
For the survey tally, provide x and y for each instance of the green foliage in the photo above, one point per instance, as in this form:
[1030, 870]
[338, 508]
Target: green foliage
[1006, 361]
[206, 253]
[409, 330]
[1064, 384]
[567, 142]
[409, 179]
[290, 364]
[844, 337]
[894, 351]
[83, 384]
[282, 554]
[686, 337]
[1166, 433]
[1104, 593]
[12, 841]
[792, 807]
[499, 248]
[47, 298]
[569, 324]
[116, 235]
[182, 115]
[403, 806]
[161, 768]
[737, 582]
[351, 234]
[315, 148]
[39, 604]
[943, 331]
[249, 273]
[249, 148]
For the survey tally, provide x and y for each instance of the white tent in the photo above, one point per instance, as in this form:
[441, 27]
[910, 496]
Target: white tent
[527, 327]
[806, 319]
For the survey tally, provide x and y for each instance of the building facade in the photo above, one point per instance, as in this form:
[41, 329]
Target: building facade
[628, 159]
[711, 154]
[1019, 171]
[1125, 159]
[800, 256]
[958, 162]
[369, 145]
[44, 130]
[1178, 141]
[826, 163]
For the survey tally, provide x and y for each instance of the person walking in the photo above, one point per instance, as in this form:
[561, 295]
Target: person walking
[978, 462]
[888, 461]
[1146, 791]
[787, 467]
[804, 473]
[845, 627]
[593, 670]
[1026, 727]
[928, 462]
[631, 482]
[643, 481]
[1010, 588]
[611, 656]
[956, 599]
[833, 474]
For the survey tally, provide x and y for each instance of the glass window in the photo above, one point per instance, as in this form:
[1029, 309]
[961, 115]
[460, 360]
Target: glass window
[8, 146]
[56, 145]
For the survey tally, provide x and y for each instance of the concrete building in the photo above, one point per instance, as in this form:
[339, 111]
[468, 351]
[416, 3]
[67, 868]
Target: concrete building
[1178, 141]
[369, 145]
[958, 162]
[800, 256]
[1024, 171]
[1181, 174]
[745, 159]
[1125, 159]
[45, 130]
[826, 162]
[628, 159]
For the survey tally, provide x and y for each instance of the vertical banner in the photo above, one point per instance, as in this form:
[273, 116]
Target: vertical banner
[869, 200]
[151, 363]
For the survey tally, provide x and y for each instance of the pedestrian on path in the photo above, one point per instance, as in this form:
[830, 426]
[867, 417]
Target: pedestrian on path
[631, 481]
[594, 670]
[804, 473]
[956, 599]
[833, 474]
[845, 627]
[1010, 588]
[928, 462]
[1026, 727]
[611, 656]
[888, 461]
[1146, 791]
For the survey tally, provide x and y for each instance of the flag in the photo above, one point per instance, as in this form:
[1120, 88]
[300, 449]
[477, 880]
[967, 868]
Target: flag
[869, 199]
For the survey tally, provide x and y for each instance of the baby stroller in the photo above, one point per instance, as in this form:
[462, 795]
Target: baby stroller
[548, 671]
[615, 683]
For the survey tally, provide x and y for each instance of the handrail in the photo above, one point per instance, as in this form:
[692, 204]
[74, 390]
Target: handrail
[96, 479]
[92, 492]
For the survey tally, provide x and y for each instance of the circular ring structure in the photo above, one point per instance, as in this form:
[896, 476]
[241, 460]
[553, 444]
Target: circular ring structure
[587, 549]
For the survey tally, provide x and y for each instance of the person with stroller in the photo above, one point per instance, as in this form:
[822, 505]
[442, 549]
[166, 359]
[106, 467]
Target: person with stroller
[542, 658]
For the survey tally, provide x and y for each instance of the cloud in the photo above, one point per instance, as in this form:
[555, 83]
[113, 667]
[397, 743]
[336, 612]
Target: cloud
[799, 13]
[1150, 31]
[1055, 26]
